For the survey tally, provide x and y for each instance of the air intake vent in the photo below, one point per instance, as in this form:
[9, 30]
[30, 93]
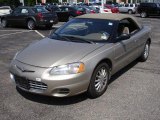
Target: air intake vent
[29, 84]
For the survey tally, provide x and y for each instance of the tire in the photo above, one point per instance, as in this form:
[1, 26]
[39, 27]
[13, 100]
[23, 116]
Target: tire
[130, 12]
[99, 81]
[70, 17]
[143, 14]
[49, 26]
[4, 23]
[31, 24]
[145, 53]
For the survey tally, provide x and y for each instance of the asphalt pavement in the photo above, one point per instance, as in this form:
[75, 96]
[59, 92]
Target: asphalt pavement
[133, 92]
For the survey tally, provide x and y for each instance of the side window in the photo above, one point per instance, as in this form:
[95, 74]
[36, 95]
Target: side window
[131, 5]
[154, 5]
[24, 11]
[126, 5]
[127, 26]
[17, 11]
[64, 9]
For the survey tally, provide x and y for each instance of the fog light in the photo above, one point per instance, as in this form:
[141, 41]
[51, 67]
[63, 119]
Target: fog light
[12, 77]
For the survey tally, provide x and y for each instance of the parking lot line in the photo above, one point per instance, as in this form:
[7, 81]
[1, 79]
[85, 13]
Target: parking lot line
[39, 34]
[15, 33]
[14, 30]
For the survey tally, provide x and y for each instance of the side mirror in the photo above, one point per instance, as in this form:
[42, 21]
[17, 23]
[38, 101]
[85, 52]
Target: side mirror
[124, 37]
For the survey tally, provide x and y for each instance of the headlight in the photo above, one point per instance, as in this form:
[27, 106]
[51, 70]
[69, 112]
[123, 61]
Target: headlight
[72, 68]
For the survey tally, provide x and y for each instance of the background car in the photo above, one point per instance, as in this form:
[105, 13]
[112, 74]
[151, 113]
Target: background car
[73, 11]
[148, 9]
[88, 10]
[4, 10]
[128, 8]
[81, 56]
[30, 17]
[111, 8]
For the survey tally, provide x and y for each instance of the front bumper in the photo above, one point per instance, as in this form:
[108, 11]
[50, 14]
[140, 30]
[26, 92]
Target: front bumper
[38, 82]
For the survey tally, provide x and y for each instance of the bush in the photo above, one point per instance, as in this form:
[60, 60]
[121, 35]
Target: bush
[12, 3]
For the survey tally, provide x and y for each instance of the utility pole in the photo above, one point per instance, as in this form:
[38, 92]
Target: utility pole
[22, 1]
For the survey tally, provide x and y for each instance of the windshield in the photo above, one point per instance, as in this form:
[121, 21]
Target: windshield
[88, 29]
[41, 9]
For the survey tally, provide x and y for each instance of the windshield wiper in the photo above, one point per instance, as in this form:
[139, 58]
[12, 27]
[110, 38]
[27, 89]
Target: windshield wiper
[81, 39]
[62, 37]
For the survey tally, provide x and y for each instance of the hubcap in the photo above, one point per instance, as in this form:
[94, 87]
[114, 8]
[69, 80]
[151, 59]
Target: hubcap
[70, 17]
[4, 23]
[146, 51]
[130, 12]
[31, 25]
[143, 14]
[101, 79]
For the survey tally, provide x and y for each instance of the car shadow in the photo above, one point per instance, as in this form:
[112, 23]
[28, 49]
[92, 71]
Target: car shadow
[49, 100]
[122, 71]
[69, 100]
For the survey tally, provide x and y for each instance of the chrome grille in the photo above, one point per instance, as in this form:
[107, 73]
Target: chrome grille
[29, 84]
[37, 85]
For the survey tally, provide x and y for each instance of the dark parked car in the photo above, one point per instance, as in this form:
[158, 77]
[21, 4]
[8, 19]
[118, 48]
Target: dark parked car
[30, 17]
[148, 9]
[88, 10]
[62, 14]
[73, 11]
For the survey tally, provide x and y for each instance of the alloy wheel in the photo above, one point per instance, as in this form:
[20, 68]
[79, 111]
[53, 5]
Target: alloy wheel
[31, 24]
[4, 23]
[101, 79]
[146, 51]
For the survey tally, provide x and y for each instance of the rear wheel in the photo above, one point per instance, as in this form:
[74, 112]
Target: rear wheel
[4, 23]
[143, 14]
[130, 12]
[145, 54]
[99, 81]
[31, 24]
[49, 26]
[70, 17]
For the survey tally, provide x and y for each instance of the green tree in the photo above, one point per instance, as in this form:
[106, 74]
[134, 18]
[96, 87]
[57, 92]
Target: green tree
[12, 3]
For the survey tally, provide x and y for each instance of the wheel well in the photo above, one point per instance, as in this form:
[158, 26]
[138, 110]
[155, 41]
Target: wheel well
[1, 18]
[149, 39]
[29, 19]
[108, 61]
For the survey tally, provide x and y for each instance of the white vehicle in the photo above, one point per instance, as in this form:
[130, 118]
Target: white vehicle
[105, 10]
[4, 10]
[128, 8]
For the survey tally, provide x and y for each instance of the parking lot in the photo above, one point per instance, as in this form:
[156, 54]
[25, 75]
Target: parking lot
[133, 93]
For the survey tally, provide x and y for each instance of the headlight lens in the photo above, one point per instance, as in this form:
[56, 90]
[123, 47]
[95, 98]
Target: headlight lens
[67, 69]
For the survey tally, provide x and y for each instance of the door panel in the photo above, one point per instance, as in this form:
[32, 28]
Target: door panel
[124, 52]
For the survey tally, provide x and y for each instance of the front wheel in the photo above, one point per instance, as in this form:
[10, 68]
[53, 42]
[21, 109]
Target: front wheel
[49, 26]
[143, 14]
[145, 54]
[4, 23]
[130, 12]
[99, 81]
[31, 24]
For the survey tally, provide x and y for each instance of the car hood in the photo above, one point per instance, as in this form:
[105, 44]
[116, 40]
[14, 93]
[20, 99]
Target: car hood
[50, 52]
